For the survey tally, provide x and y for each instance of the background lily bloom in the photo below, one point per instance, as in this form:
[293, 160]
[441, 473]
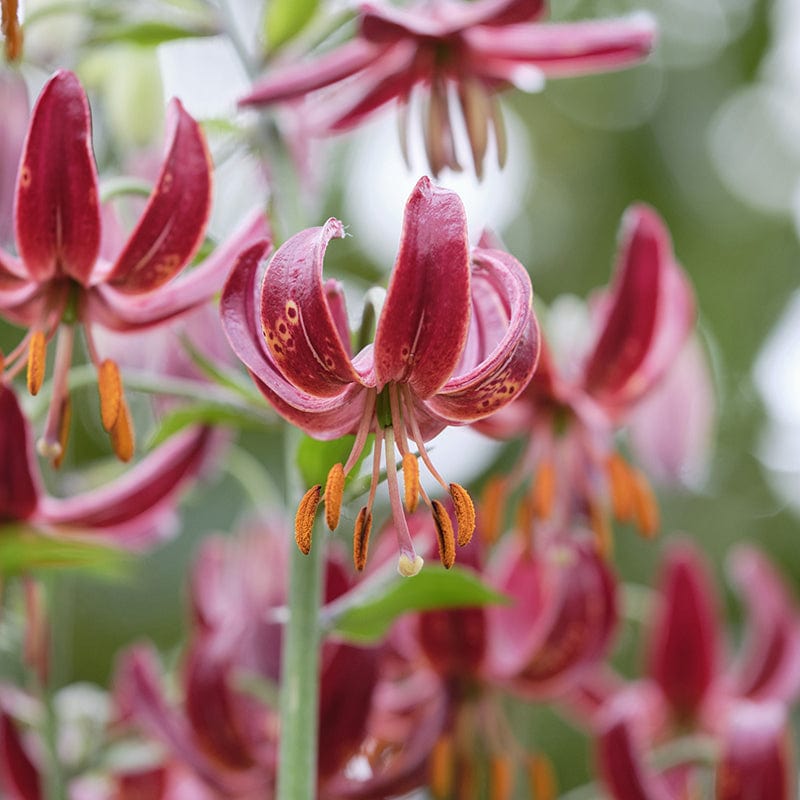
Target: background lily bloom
[455, 341]
[449, 49]
[133, 511]
[571, 411]
[59, 278]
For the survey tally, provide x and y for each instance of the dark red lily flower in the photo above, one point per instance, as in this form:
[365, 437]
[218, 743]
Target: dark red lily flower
[132, 511]
[59, 280]
[455, 341]
[447, 49]
[571, 412]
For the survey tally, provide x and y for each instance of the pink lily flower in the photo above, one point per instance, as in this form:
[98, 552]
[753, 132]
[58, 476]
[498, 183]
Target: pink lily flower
[570, 413]
[13, 123]
[132, 512]
[456, 340]
[443, 50]
[741, 709]
[60, 279]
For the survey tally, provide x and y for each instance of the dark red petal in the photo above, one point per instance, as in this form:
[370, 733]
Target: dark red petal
[683, 654]
[173, 224]
[19, 477]
[424, 322]
[756, 760]
[18, 775]
[57, 214]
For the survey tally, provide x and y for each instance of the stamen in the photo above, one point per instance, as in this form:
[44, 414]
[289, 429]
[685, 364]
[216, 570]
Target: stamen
[541, 778]
[492, 508]
[361, 532]
[442, 768]
[52, 444]
[465, 513]
[543, 492]
[645, 507]
[363, 431]
[525, 517]
[65, 418]
[444, 532]
[2, 363]
[500, 137]
[620, 479]
[37, 360]
[109, 385]
[501, 778]
[11, 30]
[304, 519]
[467, 780]
[599, 523]
[334, 490]
[411, 482]
[122, 437]
[417, 438]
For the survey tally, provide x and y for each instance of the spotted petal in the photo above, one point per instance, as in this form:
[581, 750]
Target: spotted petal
[57, 213]
[19, 480]
[424, 322]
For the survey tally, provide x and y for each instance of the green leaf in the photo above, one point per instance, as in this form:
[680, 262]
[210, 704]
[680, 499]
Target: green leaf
[23, 550]
[150, 33]
[284, 19]
[207, 413]
[315, 458]
[434, 587]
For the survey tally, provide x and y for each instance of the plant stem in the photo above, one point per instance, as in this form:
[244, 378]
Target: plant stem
[297, 761]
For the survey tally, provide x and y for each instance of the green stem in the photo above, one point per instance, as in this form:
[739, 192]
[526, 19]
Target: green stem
[297, 760]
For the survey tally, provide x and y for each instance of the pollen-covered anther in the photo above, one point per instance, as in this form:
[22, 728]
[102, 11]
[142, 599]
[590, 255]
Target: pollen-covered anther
[501, 778]
[334, 491]
[601, 528]
[122, 435]
[442, 768]
[465, 513]
[492, 507]
[543, 492]
[541, 777]
[304, 518]
[109, 386]
[620, 482]
[37, 359]
[645, 507]
[410, 482]
[64, 420]
[361, 533]
[445, 534]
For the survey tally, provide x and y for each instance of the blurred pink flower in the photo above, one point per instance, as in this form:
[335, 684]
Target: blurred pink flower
[447, 49]
[13, 124]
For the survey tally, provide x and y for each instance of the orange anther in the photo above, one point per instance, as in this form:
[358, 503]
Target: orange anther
[442, 768]
[467, 780]
[543, 492]
[541, 777]
[109, 385]
[411, 482]
[620, 483]
[444, 531]
[361, 534]
[122, 437]
[11, 29]
[465, 513]
[64, 419]
[501, 778]
[599, 523]
[492, 510]
[304, 518]
[37, 359]
[334, 490]
[645, 507]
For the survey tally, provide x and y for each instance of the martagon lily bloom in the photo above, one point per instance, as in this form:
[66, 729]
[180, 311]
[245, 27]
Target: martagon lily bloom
[448, 49]
[60, 279]
[455, 341]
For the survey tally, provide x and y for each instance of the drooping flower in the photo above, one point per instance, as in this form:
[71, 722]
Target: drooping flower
[455, 341]
[571, 411]
[132, 511]
[60, 280]
[450, 52]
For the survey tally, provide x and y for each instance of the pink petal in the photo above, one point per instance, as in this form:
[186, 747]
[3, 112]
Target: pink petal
[573, 48]
[650, 314]
[683, 651]
[57, 212]
[19, 476]
[13, 125]
[22, 301]
[130, 510]
[18, 775]
[756, 760]
[329, 417]
[504, 322]
[424, 322]
[174, 222]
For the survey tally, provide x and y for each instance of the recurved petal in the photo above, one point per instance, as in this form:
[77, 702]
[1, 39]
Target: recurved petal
[769, 666]
[173, 223]
[684, 647]
[324, 417]
[57, 215]
[18, 775]
[757, 761]
[424, 322]
[504, 340]
[649, 314]
[19, 477]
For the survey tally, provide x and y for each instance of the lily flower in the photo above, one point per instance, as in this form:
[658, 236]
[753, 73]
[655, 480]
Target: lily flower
[573, 408]
[448, 50]
[455, 341]
[13, 124]
[60, 281]
[132, 512]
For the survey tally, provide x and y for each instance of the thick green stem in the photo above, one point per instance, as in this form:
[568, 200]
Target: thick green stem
[297, 763]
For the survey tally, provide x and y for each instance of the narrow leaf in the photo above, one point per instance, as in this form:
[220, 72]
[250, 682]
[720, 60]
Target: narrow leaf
[284, 19]
[207, 413]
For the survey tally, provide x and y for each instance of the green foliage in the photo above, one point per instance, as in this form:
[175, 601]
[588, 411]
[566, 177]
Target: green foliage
[315, 458]
[207, 413]
[284, 19]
